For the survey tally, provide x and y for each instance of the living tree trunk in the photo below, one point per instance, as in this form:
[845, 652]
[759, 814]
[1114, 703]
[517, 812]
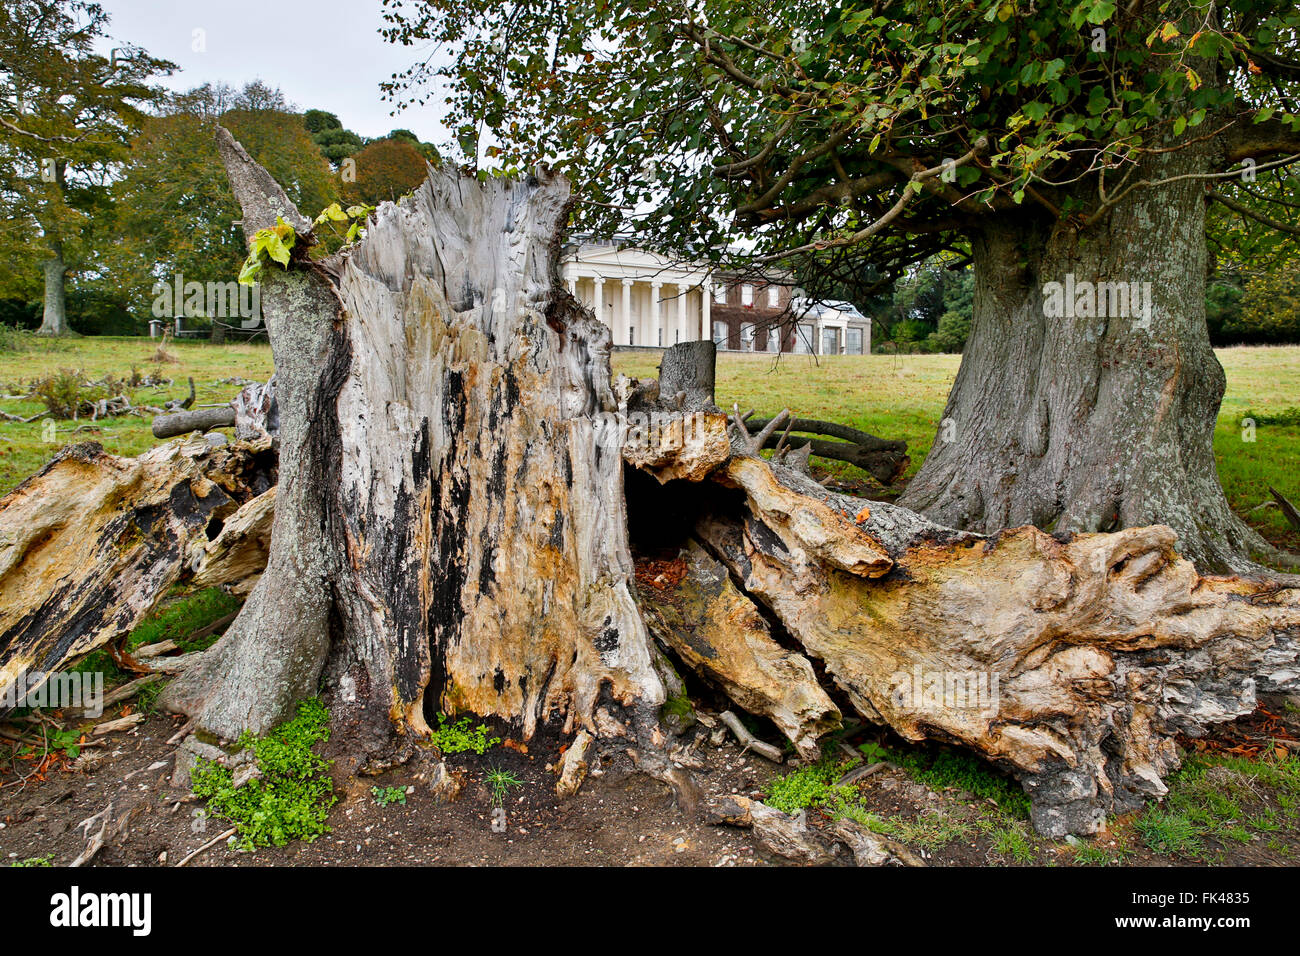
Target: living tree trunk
[1101, 418]
[449, 531]
[54, 320]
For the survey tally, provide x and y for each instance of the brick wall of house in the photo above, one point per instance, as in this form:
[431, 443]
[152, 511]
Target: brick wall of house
[760, 313]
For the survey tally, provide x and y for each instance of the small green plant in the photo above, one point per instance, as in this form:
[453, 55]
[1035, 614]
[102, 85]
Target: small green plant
[291, 799]
[65, 393]
[499, 783]
[1012, 840]
[938, 769]
[1288, 416]
[386, 796]
[274, 243]
[334, 213]
[1165, 832]
[873, 752]
[811, 787]
[46, 860]
[459, 737]
[147, 698]
[679, 706]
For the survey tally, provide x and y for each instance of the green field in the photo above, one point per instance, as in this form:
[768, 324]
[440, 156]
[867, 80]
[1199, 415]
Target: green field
[891, 396]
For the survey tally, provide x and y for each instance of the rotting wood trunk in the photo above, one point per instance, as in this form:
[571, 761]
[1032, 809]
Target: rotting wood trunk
[1071, 661]
[92, 542]
[450, 530]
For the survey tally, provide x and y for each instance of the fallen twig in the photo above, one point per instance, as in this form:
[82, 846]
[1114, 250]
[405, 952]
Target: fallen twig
[129, 689]
[748, 740]
[207, 846]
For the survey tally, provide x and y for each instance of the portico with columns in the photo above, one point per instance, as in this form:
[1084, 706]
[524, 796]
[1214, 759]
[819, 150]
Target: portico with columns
[644, 298]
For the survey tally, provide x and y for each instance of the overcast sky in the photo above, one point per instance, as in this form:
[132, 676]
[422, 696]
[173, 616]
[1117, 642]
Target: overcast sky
[324, 54]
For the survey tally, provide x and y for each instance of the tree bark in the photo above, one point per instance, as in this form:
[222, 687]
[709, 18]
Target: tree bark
[1094, 422]
[449, 530]
[54, 321]
[688, 370]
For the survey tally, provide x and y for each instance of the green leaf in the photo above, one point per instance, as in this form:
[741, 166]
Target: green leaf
[249, 273]
[332, 213]
[277, 250]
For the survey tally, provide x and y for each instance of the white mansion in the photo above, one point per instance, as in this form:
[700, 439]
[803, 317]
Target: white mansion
[648, 300]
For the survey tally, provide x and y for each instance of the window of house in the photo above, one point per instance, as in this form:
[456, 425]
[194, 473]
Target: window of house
[853, 341]
[747, 295]
[720, 294]
[804, 335]
[774, 339]
[631, 335]
[830, 342]
[773, 296]
[747, 336]
[720, 334]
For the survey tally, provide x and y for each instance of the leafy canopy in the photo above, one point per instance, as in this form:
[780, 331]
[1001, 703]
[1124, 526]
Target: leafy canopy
[892, 126]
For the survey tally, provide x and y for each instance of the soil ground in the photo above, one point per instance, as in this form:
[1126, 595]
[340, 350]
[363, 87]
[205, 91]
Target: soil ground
[620, 816]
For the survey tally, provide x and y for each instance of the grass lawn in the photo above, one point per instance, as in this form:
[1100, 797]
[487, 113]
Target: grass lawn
[21, 449]
[903, 397]
[891, 396]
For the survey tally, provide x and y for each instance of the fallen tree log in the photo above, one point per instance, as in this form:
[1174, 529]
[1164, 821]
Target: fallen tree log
[253, 414]
[91, 542]
[1071, 663]
[197, 419]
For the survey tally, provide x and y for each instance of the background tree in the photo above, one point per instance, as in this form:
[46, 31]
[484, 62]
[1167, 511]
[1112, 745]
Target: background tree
[174, 210]
[386, 169]
[67, 116]
[335, 142]
[1057, 138]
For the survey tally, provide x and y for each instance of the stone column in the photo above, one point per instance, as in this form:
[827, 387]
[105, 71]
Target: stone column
[625, 320]
[682, 290]
[598, 302]
[706, 304]
[656, 316]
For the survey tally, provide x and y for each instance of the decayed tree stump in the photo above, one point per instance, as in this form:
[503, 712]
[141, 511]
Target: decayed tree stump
[450, 528]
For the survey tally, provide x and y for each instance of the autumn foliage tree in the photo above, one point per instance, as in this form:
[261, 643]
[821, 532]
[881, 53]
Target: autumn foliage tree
[386, 169]
[172, 205]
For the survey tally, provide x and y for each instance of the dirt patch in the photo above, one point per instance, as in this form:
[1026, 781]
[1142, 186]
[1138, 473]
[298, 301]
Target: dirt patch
[620, 816]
